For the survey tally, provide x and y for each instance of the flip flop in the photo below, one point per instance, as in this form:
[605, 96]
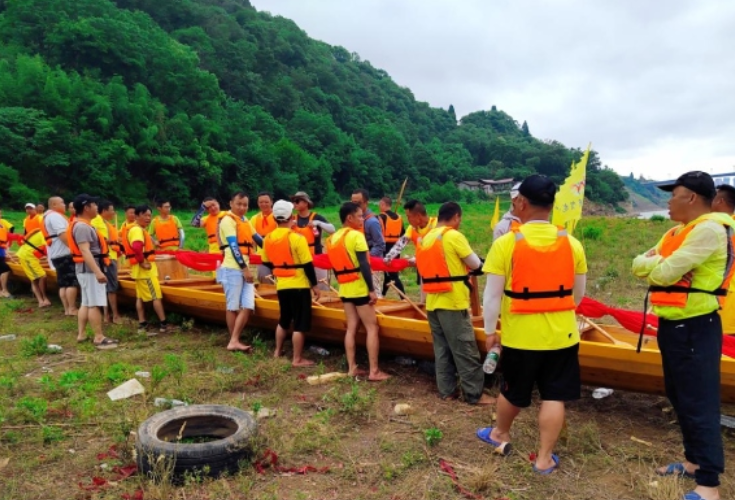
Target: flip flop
[106, 344]
[675, 469]
[546, 472]
[692, 495]
[504, 448]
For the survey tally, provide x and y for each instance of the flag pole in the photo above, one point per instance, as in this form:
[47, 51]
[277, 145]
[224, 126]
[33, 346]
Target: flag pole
[400, 195]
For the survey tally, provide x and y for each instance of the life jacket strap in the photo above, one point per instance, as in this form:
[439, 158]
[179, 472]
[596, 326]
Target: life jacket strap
[719, 292]
[548, 294]
[346, 271]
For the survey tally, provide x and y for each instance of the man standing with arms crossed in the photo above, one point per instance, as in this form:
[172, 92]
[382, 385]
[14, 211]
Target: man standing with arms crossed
[536, 275]
[55, 224]
[685, 272]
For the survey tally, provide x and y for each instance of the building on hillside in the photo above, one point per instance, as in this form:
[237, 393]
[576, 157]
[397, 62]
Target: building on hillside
[489, 186]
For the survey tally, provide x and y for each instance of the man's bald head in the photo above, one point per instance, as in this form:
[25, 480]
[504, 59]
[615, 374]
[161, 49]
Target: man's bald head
[56, 203]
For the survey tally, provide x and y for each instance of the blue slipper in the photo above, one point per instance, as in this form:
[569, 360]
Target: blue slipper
[546, 472]
[484, 435]
[675, 469]
[692, 495]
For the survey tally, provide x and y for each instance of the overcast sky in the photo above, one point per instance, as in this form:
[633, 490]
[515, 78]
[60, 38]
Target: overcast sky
[650, 83]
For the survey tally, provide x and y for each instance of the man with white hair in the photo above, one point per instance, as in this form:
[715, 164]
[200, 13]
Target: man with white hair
[506, 222]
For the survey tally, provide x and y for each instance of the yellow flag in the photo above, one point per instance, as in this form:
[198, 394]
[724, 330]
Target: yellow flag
[496, 214]
[569, 199]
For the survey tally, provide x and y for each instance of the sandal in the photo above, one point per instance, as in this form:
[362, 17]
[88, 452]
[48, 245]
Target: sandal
[675, 469]
[106, 344]
[503, 448]
[546, 472]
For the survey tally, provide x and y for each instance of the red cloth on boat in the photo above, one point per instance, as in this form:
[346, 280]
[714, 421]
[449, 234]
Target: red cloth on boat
[376, 263]
[195, 260]
[12, 237]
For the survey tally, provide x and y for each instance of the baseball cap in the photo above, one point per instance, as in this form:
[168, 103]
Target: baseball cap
[697, 181]
[301, 195]
[81, 200]
[282, 210]
[514, 190]
[30, 205]
[538, 189]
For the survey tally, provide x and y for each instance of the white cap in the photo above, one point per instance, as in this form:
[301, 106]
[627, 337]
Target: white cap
[282, 210]
[31, 205]
[514, 190]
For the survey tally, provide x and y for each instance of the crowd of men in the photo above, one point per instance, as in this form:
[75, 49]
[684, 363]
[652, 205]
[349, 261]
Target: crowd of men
[536, 277]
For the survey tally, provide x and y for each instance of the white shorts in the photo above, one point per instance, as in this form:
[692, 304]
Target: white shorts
[238, 293]
[94, 293]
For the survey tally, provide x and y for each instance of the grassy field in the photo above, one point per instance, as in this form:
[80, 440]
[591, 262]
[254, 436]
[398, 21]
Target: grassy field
[57, 425]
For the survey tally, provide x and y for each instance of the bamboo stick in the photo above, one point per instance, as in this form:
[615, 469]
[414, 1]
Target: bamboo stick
[405, 297]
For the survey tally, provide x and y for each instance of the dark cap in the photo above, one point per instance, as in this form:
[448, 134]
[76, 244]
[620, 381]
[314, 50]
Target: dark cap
[538, 189]
[81, 200]
[697, 181]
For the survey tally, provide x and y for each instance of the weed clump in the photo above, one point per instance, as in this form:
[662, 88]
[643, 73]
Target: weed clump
[36, 346]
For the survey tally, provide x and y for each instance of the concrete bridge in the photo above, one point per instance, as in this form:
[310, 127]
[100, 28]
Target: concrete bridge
[728, 178]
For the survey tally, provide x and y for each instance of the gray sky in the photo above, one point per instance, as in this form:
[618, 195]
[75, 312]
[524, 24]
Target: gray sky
[650, 83]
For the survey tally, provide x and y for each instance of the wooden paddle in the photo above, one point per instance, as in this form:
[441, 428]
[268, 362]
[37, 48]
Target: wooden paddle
[602, 331]
[405, 297]
[400, 195]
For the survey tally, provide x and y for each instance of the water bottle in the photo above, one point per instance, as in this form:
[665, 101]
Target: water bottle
[601, 392]
[491, 360]
[405, 361]
[319, 350]
[169, 402]
[12, 336]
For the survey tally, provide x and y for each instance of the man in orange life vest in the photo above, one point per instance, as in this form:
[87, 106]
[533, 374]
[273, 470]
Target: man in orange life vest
[373, 234]
[536, 275]
[166, 229]
[54, 228]
[209, 222]
[33, 219]
[288, 255]
[141, 254]
[686, 271]
[90, 254]
[264, 223]
[310, 225]
[348, 254]
[237, 244]
[104, 224]
[443, 256]
[724, 202]
[392, 225]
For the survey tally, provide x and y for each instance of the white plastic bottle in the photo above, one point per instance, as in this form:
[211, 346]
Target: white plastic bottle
[491, 360]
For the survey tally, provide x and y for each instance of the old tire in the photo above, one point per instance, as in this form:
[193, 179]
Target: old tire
[230, 430]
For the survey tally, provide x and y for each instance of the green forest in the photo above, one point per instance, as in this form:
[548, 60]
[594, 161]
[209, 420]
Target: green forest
[142, 99]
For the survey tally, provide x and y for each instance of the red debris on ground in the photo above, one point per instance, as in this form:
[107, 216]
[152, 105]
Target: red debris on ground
[449, 470]
[270, 461]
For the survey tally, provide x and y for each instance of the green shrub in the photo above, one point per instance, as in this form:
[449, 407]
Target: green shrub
[657, 218]
[37, 346]
[593, 233]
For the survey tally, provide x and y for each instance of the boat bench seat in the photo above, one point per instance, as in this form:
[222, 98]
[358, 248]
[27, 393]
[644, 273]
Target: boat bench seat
[389, 308]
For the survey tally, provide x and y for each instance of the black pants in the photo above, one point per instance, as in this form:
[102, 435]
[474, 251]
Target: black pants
[394, 277]
[690, 352]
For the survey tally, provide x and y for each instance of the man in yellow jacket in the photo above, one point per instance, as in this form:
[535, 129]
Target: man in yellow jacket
[685, 271]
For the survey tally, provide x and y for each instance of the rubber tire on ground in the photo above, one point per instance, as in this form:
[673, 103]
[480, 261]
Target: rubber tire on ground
[233, 426]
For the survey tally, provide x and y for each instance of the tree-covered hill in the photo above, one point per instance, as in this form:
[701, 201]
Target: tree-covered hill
[138, 99]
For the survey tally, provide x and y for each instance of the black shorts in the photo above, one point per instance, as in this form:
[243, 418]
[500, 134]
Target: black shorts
[295, 305]
[556, 373]
[113, 285]
[66, 271]
[4, 266]
[358, 301]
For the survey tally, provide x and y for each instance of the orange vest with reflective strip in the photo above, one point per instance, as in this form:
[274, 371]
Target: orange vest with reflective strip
[103, 258]
[677, 294]
[264, 224]
[542, 277]
[149, 252]
[166, 231]
[211, 226]
[44, 230]
[308, 233]
[345, 270]
[418, 233]
[391, 228]
[38, 252]
[431, 263]
[3, 237]
[244, 236]
[280, 255]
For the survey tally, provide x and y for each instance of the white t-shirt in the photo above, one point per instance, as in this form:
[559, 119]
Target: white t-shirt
[56, 224]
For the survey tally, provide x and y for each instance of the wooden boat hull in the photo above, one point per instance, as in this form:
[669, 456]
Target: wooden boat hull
[404, 331]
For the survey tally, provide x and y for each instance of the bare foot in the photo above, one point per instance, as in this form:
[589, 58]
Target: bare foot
[42, 305]
[302, 363]
[73, 312]
[239, 346]
[486, 400]
[277, 354]
[500, 437]
[117, 321]
[357, 373]
[378, 376]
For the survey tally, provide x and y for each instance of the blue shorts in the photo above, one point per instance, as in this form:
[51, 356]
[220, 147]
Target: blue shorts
[238, 293]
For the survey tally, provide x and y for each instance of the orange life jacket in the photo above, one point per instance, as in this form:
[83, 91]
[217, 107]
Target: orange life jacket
[211, 226]
[166, 231]
[49, 237]
[264, 224]
[31, 223]
[3, 237]
[124, 232]
[514, 225]
[391, 228]
[38, 252]
[431, 263]
[417, 233]
[345, 270]
[308, 233]
[149, 251]
[113, 241]
[677, 294]
[280, 255]
[542, 277]
[103, 258]
[244, 236]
